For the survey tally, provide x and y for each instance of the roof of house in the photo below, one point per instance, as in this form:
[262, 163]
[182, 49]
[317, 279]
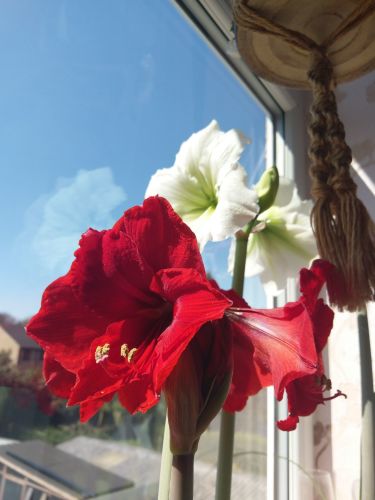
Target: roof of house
[17, 331]
[64, 474]
[142, 466]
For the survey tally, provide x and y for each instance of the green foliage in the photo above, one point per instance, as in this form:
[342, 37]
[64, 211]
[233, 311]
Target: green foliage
[21, 419]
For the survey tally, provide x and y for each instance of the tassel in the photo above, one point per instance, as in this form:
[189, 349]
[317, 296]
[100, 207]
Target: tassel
[344, 231]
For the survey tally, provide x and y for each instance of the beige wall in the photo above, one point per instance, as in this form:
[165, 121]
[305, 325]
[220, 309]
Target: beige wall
[7, 343]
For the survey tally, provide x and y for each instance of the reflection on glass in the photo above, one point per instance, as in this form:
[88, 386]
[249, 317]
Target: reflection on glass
[94, 99]
[316, 484]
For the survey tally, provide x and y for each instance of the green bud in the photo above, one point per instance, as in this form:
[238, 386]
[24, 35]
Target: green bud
[267, 188]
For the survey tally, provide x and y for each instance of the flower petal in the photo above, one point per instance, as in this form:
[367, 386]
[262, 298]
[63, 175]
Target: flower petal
[237, 205]
[287, 193]
[282, 242]
[162, 238]
[289, 424]
[90, 408]
[207, 186]
[109, 275]
[306, 393]
[282, 339]
[189, 157]
[222, 155]
[64, 327]
[182, 191]
[93, 382]
[116, 372]
[138, 395]
[247, 377]
[58, 380]
[196, 302]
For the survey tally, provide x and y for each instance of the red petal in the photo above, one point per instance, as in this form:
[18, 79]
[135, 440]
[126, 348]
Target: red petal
[283, 342]
[322, 319]
[110, 276]
[138, 395]
[64, 327]
[161, 344]
[115, 372]
[305, 393]
[59, 380]
[90, 408]
[161, 236]
[93, 382]
[247, 378]
[290, 424]
[312, 280]
[195, 303]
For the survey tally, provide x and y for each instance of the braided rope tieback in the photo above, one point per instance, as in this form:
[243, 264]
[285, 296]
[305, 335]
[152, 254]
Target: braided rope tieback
[344, 231]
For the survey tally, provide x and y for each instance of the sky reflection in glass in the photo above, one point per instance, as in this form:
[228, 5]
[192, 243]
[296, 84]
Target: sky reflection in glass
[95, 96]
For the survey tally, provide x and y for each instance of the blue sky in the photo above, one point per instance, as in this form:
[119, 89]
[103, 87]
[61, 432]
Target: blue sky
[94, 97]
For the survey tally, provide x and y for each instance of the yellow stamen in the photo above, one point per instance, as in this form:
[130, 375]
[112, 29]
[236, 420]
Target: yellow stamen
[101, 352]
[131, 354]
[124, 350]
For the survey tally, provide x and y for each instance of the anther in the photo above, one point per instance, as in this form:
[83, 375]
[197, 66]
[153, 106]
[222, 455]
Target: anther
[101, 352]
[127, 353]
[131, 354]
[124, 350]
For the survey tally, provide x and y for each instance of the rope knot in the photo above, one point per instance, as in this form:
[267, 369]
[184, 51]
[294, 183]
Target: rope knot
[343, 184]
[321, 70]
[323, 192]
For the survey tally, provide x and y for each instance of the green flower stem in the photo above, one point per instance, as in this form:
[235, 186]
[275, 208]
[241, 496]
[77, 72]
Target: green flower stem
[227, 422]
[368, 411]
[166, 465]
[240, 261]
[182, 480]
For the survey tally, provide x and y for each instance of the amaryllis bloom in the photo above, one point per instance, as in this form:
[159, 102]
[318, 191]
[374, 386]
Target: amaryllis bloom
[282, 242]
[280, 328]
[207, 186]
[136, 315]
[306, 393]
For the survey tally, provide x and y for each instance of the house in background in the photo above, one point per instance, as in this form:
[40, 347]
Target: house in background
[24, 352]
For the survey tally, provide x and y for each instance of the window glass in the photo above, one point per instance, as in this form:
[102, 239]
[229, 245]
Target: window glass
[95, 97]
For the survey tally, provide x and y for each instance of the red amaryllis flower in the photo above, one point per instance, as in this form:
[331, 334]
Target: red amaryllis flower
[136, 314]
[306, 393]
[299, 327]
[133, 301]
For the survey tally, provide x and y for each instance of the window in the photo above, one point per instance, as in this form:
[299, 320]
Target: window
[95, 98]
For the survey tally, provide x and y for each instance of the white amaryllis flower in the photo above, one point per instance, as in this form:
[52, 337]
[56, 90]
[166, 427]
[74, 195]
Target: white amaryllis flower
[207, 186]
[282, 242]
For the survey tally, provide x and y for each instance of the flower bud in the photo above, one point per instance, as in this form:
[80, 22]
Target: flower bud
[267, 188]
[197, 388]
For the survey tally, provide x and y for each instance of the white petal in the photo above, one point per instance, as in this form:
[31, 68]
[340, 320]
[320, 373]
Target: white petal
[253, 262]
[282, 251]
[189, 157]
[237, 205]
[224, 152]
[182, 191]
[286, 243]
[206, 185]
[286, 192]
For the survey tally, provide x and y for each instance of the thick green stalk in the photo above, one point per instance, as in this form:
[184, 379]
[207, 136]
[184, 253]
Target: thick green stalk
[368, 411]
[182, 480]
[227, 422]
[166, 465]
